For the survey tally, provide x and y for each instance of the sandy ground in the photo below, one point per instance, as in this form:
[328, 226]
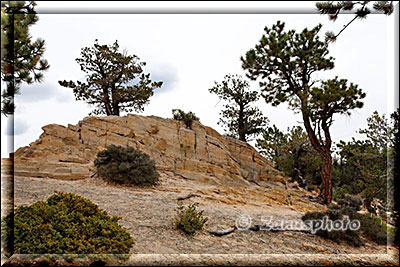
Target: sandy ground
[148, 214]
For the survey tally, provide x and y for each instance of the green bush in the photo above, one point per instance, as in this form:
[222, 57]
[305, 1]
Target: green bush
[187, 118]
[375, 229]
[371, 226]
[351, 201]
[342, 191]
[349, 236]
[125, 165]
[189, 219]
[64, 224]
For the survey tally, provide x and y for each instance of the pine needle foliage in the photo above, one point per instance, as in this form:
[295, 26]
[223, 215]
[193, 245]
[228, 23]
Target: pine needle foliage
[126, 165]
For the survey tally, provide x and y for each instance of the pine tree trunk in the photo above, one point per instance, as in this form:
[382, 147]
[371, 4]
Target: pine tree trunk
[242, 134]
[107, 108]
[325, 152]
[115, 110]
[106, 102]
[242, 137]
[114, 102]
[326, 186]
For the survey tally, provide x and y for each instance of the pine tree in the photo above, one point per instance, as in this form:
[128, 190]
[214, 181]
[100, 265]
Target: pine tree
[368, 165]
[115, 81]
[285, 61]
[238, 117]
[333, 8]
[292, 153]
[21, 58]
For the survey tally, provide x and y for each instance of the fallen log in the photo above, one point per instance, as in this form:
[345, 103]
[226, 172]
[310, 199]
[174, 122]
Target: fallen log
[259, 227]
[188, 196]
[256, 228]
[222, 232]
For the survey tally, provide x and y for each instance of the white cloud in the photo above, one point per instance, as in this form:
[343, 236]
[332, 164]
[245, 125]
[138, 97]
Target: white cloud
[38, 92]
[16, 127]
[166, 73]
[35, 92]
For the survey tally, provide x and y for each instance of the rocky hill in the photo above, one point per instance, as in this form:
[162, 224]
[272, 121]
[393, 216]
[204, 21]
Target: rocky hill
[201, 154]
[227, 177]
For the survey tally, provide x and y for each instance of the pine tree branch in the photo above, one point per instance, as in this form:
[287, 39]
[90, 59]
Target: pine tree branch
[345, 26]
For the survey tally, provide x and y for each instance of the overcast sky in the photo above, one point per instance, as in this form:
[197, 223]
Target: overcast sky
[191, 51]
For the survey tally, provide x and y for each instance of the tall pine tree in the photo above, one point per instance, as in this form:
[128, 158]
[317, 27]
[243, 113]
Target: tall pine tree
[286, 61]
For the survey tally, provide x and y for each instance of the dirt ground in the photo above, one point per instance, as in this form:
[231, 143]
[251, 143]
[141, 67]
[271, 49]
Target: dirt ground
[148, 214]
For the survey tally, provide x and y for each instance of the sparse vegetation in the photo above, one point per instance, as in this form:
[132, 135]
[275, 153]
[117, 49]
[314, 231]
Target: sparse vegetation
[65, 223]
[187, 118]
[126, 165]
[189, 219]
[351, 237]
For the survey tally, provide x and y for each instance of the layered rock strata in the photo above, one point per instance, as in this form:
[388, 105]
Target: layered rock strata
[200, 153]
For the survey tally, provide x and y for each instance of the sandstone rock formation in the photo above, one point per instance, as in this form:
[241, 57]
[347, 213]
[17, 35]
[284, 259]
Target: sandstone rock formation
[200, 154]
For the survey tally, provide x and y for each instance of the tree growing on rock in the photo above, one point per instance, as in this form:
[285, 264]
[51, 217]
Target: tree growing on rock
[285, 62]
[115, 81]
[21, 58]
[238, 117]
[187, 118]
